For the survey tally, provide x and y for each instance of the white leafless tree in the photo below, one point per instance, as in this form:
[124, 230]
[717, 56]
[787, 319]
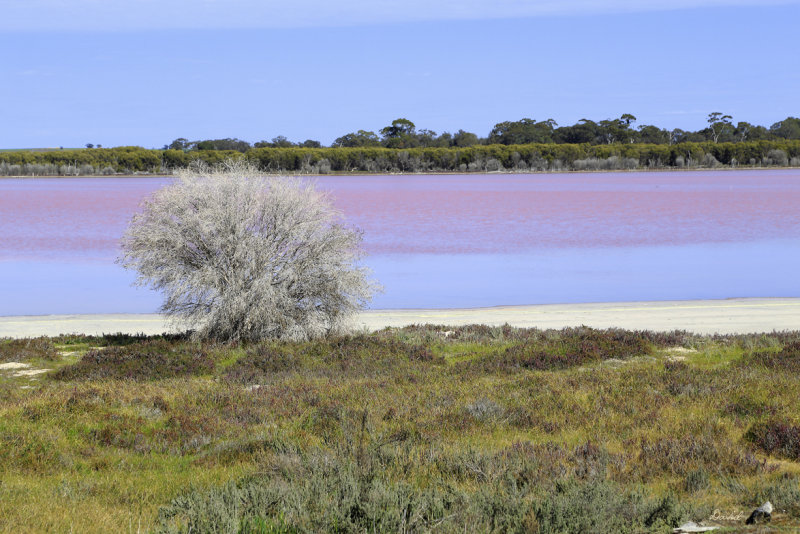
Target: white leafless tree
[240, 256]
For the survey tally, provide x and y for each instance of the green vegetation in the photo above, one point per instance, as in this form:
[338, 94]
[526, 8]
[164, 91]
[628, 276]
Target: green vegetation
[488, 429]
[519, 146]
[477, 158]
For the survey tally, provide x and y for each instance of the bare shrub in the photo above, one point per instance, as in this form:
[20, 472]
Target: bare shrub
[484, 410]
[86, 170]
[776, 157]
[323, 166]
[493, 165]
[240, 256]
[7, 169]
[710, 161]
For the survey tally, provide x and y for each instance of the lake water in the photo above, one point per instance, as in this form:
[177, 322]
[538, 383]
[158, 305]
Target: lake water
[452, 241]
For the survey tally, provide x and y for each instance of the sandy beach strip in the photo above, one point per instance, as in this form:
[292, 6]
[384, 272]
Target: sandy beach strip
[730, 316]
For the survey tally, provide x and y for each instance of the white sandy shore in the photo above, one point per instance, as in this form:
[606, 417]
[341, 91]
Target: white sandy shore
[731, 316]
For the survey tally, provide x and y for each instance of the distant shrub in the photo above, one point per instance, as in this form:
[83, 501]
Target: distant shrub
[710, 161]
[148, 360]
[609, 164]
[485, 334]
[777, 157]
[21, 350]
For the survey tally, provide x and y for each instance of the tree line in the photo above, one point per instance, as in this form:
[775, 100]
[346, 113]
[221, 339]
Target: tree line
[530, 157]
[402, 133]
[524, 145]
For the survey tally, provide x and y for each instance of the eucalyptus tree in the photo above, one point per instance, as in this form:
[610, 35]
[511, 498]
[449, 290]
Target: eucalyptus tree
[522, 131]
[402, 133]
[360, 138]
[719, 124]
[240, 256]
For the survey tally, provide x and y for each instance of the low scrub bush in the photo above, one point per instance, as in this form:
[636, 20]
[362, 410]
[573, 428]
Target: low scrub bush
[776, 437]
[786, 359]
[352, 490]
[361, 354]
[696, 480]
[601, 506]
[689, 454]
[561, 349]
[316, 491]
[146, 360]
[783, 492]
[485, 334]
[745, 407]
[22, 350]
[682, 380]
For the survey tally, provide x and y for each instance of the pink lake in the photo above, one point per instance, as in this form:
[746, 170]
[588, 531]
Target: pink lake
[453, 240]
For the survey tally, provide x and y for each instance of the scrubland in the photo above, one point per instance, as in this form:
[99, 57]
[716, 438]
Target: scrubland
[425, 428]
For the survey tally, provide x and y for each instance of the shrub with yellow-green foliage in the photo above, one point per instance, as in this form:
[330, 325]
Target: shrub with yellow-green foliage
[377, 160]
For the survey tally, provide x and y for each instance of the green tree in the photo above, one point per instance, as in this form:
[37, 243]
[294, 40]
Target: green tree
[360, 138]
[653, 134]
[402, 133]
[399, 128]
[719, 125]
[180, 143]
[281, 142]
[585, 131]
[463, 139]
[522, 132]
[788, 128]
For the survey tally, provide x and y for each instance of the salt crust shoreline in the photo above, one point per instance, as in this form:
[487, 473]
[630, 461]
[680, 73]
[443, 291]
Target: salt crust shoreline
[729, 316]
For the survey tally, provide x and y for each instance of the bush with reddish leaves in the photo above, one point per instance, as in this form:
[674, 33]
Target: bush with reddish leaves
[22, 350]
[776, 437]
[148, 360]
[786, 359]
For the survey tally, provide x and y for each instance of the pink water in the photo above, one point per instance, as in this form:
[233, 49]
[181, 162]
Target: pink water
[450, 241]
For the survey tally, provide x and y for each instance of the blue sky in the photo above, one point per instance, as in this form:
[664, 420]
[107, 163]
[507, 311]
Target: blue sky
[145, 72]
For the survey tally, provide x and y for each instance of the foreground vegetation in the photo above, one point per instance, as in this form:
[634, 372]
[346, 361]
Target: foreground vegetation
[419, 429]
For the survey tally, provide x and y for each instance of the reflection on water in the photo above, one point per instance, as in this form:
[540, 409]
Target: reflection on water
[452, 241]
